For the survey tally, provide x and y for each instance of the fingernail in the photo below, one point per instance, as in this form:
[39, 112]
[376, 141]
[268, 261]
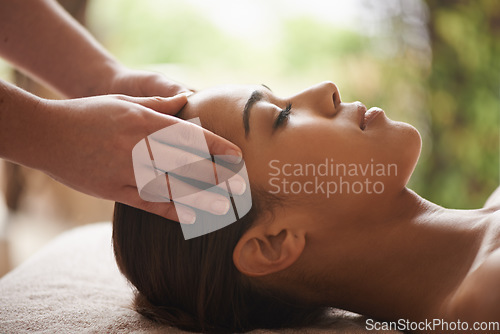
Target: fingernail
[220, 207]
[188, 93]
[187, 218]
[232, 156]
[238, 187]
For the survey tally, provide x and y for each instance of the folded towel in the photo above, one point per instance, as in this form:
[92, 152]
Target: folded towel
[73, 285]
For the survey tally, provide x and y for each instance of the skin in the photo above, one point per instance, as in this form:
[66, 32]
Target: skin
[92, 135]
[389, 256]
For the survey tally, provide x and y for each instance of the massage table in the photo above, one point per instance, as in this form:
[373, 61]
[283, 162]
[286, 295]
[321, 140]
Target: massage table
[73, 285]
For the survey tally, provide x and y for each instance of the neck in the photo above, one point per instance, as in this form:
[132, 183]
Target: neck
[407, 262]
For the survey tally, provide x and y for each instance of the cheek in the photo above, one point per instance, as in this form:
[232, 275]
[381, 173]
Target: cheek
[295, 155]
[341, 154]
[398, 142]
[340, 142]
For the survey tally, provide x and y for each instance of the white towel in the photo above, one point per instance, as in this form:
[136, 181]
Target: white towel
[73, 285]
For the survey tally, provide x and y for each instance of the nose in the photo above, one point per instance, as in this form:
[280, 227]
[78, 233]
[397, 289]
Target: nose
[323, 97]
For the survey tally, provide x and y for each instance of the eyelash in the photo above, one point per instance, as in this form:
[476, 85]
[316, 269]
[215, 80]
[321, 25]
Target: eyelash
[283, 115]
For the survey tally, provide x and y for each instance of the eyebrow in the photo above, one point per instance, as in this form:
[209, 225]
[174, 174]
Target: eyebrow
[255, 97]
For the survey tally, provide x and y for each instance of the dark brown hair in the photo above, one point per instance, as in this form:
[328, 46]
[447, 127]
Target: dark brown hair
[193, 284]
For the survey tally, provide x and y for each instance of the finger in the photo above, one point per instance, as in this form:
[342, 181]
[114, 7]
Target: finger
[227, 151]
[165, 87]
[204, 200]
[165, 105]
[167, 188]
[186, 194]
[216, 145]
[188, 91]
[180, 162]
[191, 135]
[208, 172]
[176, 212]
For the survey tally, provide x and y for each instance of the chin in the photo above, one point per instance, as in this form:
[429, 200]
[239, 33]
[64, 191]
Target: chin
[410, 144]
[413, 138]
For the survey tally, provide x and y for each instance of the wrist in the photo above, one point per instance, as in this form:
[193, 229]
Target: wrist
[21, 118]
[100, 79]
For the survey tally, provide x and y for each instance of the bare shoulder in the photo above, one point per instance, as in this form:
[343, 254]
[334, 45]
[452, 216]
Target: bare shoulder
[493, 201]
[478, 297]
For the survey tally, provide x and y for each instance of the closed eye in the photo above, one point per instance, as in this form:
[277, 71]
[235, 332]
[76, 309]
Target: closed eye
[282, 116]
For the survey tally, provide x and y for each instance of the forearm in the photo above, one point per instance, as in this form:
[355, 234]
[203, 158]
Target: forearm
[22, 126]
[43, 40]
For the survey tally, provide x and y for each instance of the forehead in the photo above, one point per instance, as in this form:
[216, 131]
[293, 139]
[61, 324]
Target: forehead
[220, 108]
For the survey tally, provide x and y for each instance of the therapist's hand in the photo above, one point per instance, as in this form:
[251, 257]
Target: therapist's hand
[87, 143]
[94, 153]
[141, 83]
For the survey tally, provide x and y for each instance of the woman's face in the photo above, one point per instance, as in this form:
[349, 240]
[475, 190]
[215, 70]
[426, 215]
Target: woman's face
[321, 154]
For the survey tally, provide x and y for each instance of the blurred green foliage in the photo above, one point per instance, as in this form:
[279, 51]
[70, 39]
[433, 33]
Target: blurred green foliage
[463, 92]
[149, 32]
[441, 73]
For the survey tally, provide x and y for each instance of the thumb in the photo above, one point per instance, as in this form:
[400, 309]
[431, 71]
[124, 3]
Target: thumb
[172, 105]
[165, 105]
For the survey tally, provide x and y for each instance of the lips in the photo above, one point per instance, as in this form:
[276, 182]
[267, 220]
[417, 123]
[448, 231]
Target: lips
[361, 114]
[371, 114]
[367, 116]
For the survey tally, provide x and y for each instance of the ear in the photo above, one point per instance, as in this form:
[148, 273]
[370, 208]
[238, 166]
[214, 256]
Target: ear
[262, 251]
